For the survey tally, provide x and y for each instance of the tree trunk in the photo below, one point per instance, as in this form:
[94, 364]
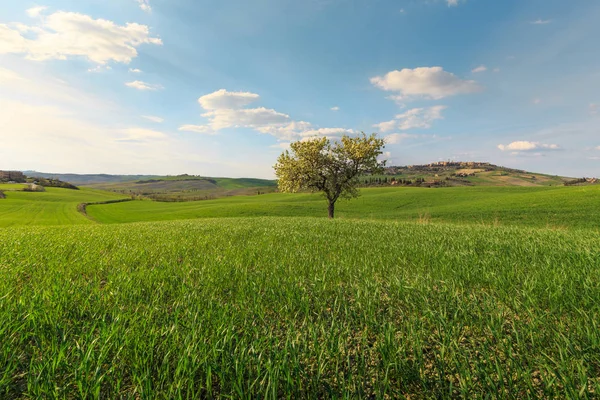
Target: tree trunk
[330, 209]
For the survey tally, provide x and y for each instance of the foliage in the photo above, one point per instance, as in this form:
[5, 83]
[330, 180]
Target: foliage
[378, 310]
[333, 169]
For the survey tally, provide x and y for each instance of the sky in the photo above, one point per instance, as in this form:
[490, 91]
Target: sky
[221, 87]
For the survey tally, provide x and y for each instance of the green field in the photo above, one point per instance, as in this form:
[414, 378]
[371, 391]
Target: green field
[52, 207]
[11, 186]
[305, 308]
[412, 293]
[557, 207]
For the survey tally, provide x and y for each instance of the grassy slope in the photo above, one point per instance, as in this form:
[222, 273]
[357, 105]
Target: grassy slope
[11, 186]
[304, 307]
[179, 183]
[498, 177]
[541, 207]
[52, 207]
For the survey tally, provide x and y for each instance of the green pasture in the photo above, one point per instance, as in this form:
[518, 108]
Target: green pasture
[52, 207]
[298, 308]
[12, 186]
[556, 207]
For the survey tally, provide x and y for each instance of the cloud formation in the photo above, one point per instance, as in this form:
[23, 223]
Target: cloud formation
[225, 109]
[144, 5]
[139, 85]
[35, 12]
[481, 68]
[427, 82]
[63, 35]
[222, 99]
[526, 146]
[421, 118]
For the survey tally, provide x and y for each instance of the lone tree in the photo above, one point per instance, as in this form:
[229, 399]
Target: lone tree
[333, 169]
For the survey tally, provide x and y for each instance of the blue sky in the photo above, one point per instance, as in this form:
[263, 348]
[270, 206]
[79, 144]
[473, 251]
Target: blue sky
[221, 87]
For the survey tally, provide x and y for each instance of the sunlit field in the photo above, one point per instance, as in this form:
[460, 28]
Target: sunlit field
[495, 292]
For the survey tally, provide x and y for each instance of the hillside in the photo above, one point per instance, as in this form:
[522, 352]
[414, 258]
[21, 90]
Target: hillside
[169, 188]
[555, 207]
[54, 206]
[446, 173]
[105, 180]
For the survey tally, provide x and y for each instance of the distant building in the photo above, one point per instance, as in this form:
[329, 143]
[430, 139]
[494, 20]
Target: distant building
[12, 176]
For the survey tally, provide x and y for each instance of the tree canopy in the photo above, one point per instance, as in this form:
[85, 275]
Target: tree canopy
[318, 165]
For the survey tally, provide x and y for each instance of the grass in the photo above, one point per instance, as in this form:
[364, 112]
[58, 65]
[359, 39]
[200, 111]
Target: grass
[189, 188]
[12, 186]
[298, 308]
[53, 207]
[479, 292]
[557, 207]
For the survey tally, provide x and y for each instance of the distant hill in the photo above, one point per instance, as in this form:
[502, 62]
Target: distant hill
[470, 173]
[167, 188]
[86, 179]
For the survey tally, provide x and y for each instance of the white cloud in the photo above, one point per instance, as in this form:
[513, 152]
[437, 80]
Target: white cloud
[100, 68]
[135, 71]
[222, 99]
[594, 109]
[225, 109]
[62, 35]
[336, 108]
[145, 5]
[481, 68]
[536, 101]
[427, 82]
[421, 118]
[245, 118]
[139, 85]
[291, 131]
[396, 138]
[541, 22]
[152, 118]
[35, 12]
[386, 126]
[496, 69]
[197, 129]
[522, 145]
[452, 3]
[597, 147]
